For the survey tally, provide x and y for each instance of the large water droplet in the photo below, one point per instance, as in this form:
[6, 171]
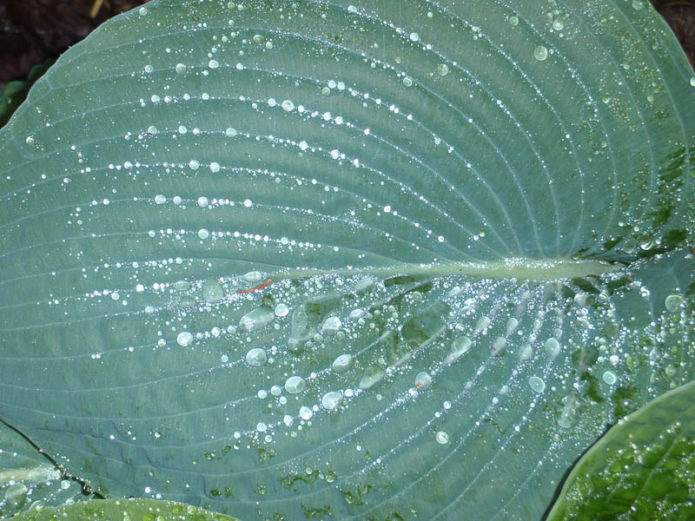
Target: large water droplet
[372, 375]
[536, 384]
[256, 357]
[552, 347]
[425, 326]
[295, 384]
[442, 437]
[459, 346]
[673, 303]
[331, 325]
[256, 319]
[342, 363]
[212, 291]
[540, 53]
[423, 380]
[331, 400]
[184, 339]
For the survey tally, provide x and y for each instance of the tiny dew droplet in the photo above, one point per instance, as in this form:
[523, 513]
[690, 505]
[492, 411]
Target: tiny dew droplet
[407, 81]
[180, 68]
[540, 53]
[442, 437]
[443, 69]
[230, 132]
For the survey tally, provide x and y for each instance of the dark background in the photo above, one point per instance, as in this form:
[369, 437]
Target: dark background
[34, 31]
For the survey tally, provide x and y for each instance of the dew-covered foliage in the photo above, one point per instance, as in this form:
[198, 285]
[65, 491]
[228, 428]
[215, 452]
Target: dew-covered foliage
[388, 260]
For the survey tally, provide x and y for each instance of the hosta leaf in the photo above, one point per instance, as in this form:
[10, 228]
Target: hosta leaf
[125, 509]
[371, 260]
[643, 468]
[28, 478]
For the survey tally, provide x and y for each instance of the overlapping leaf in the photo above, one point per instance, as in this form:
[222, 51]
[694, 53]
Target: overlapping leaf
[371, 260]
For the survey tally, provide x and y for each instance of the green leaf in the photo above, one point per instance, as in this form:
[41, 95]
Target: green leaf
[122, 509]
[14, 92]
[28, 478]
[379, 260]
[643, 468]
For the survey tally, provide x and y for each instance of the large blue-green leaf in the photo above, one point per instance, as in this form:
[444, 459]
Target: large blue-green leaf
[370, 260]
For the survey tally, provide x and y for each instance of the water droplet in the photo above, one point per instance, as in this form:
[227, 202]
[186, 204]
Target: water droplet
[609, 377]
[342, 363]
[442, 437]
[499, 345]
[513, 20]
[30, 140]
[525, 352]
[295, 384]
[331, 400]
[213, 64]
[212, 291]
[261, 427]
[160, 199]
[203, 201]
[408, 81]
[558, 25]
[536, 384]
[256, 319]
[305, 413]
[184, 339]
[203, 233]
[459, 346]
[512, 324]
[443, 69]
[540, 53]
[214, 167]
[252, 276]
[281, 310]
[331, 325]
[256, 357]
[356, 314]
[180, 68]
[552, 347]
[692, 81]
[193, 164]
[414, 37]
[230, 132]
[423, 380]
[287, 105]
[372, 375]
[673, 303]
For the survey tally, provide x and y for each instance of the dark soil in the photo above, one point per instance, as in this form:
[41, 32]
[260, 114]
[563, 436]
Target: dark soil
[34, 31]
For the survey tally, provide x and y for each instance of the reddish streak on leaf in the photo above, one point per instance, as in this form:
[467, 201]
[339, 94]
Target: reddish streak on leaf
[256, 288]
